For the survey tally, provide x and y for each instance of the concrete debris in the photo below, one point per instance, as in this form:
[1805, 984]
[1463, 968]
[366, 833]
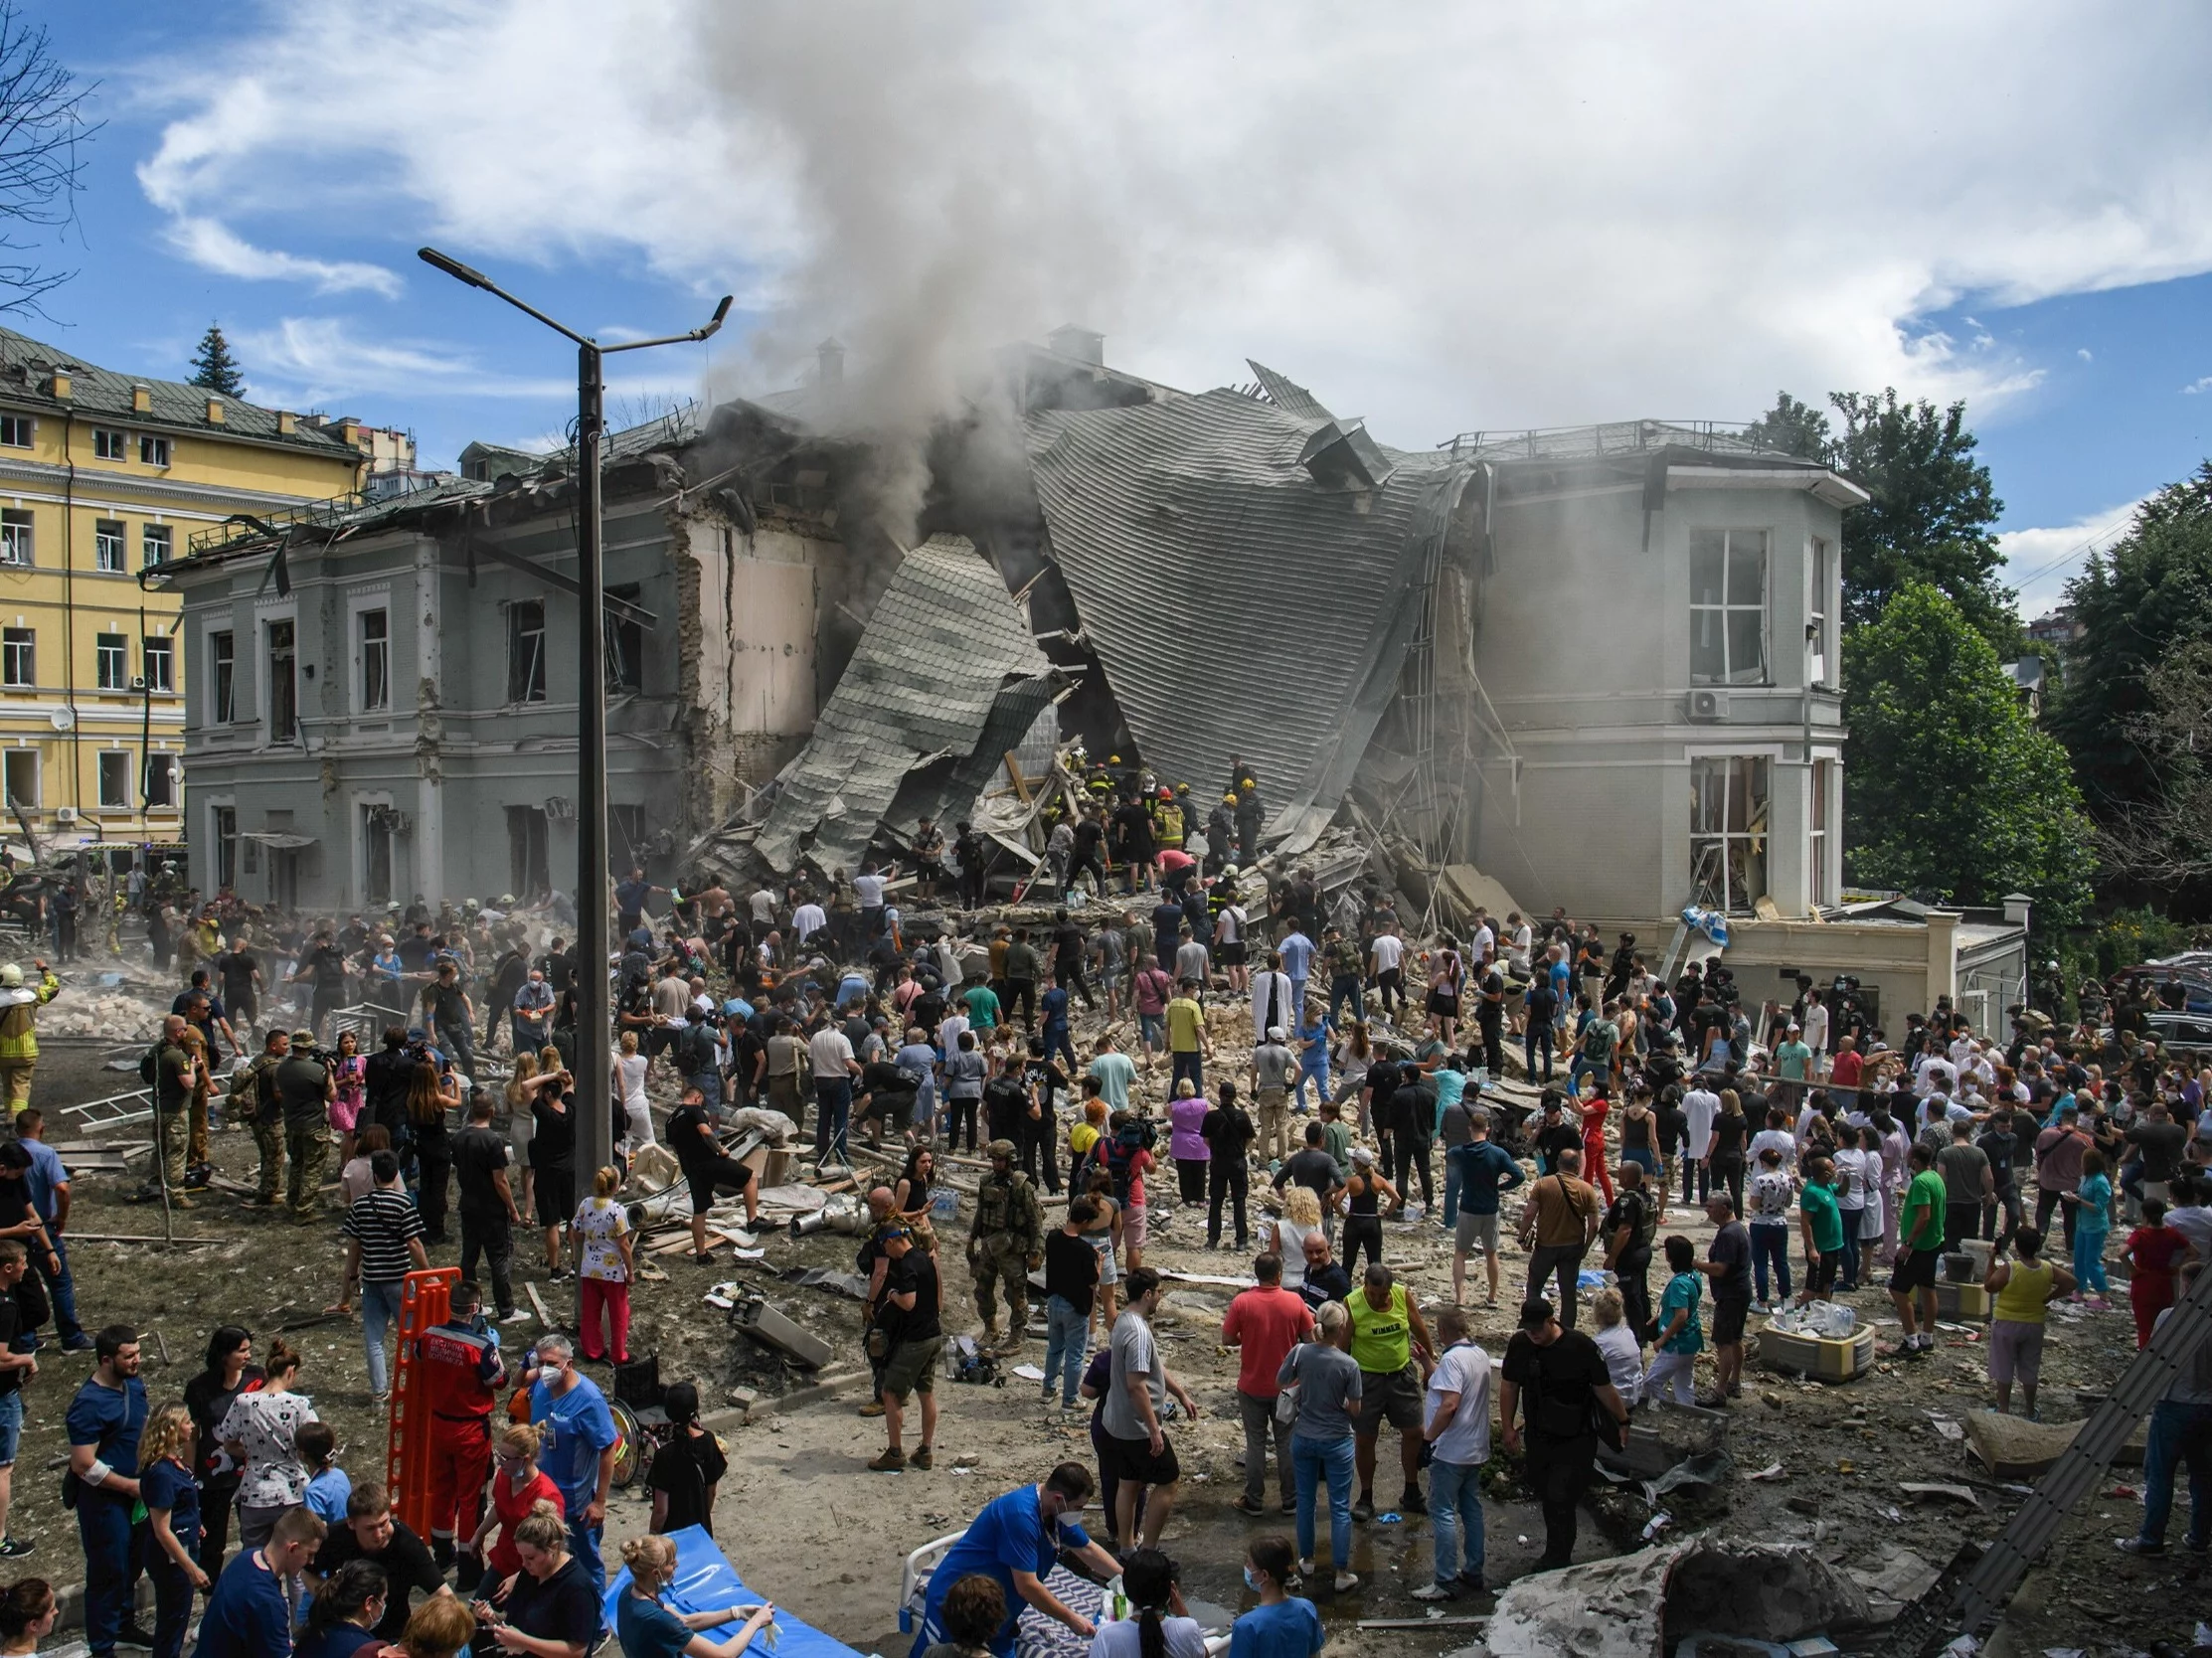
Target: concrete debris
[2012, 1447]
[1623, 1607]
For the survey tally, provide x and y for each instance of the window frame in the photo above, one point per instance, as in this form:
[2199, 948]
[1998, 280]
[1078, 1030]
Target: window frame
[1820, 652]
[160, 647]
[222, 837]
[286, 731]
[1754, 835]
[112, 764]
[111, 662]
[8, 758]
[112, 444]
[161, 763]
[221, 676]
[19, 432]
[372, 662]
[153, 450]
[111, 536]
[1820, 825]
[525, 678]
[1724, 611]
[19, 537]
[151, 536]
[19, 658]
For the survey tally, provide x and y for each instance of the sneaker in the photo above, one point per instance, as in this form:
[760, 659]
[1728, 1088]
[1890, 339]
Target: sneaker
[1412, 1502]
[1244, 1505]
[1364, 1510]
[1346, 1582]
[1472, 1583]
[1436, 1591]
[1289, 1505]
[130, 1634]
[920, 1459]
[519, 1315]
[873, 1408]
[79, 1343]
[2195, 1545]
[13, 1549]
[2137, 1545]
[1305, 1570]
[890, 1462]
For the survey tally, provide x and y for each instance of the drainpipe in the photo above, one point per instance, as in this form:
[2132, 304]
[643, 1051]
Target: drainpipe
[68, 609]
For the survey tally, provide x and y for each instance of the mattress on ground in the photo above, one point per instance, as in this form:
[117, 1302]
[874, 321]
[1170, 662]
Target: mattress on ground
[706, 1580]
[1039, 1636]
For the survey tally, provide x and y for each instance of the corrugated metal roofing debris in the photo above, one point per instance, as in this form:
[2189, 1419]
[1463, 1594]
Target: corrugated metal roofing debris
[1236, 606]
[945, 678]
[1288, 395]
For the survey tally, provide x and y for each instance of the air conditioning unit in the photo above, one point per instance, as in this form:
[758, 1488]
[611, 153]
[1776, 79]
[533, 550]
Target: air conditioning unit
[1708, 707]
[65, 814]
[139, 682]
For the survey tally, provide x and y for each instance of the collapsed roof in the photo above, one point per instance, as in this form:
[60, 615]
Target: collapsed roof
[945, 681]
[1248, 575]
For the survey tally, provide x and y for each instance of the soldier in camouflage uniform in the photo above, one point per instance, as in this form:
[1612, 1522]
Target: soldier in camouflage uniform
[254, 1099]
[1006, 1245]
[304, 1084]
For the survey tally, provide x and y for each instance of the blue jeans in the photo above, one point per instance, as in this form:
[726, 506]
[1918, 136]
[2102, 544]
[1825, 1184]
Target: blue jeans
[1191, 1064]
[1345, 991]
[1067, 1341]
[1314, 1460]
[1770, 1245]
[1317, 1070]
[833, 1109]
[1455, 1518]
[103, 1528]
[61, 1289]
[1450, 1190]
[2178, 1432]
[583, 1544]
[1539, 1036]
[380, 1311]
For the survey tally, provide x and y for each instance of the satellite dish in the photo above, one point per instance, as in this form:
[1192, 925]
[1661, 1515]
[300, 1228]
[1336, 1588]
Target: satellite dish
[63, 719]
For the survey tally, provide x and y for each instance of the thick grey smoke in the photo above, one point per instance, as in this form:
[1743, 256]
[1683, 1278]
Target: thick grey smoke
[941, 212]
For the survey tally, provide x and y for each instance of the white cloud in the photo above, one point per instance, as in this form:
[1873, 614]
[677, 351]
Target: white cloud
[2083, 353]
[2040, 562]
[2204, 384]
[214, 245]
[1440, 219]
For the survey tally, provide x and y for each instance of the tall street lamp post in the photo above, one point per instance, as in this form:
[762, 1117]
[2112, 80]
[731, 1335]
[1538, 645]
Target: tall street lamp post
[594, 1017]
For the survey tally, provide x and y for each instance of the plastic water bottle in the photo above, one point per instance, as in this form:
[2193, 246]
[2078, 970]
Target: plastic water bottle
[1116, 1601]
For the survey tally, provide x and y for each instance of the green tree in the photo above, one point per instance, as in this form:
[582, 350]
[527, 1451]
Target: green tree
[2138, 604]
[1932, 516]
[213, 367]
[1953, 788]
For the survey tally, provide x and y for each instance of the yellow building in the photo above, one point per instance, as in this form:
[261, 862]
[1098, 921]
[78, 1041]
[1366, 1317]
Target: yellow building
[103, 474]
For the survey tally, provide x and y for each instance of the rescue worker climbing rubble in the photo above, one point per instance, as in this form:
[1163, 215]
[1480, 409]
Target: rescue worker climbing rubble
[19, 1033]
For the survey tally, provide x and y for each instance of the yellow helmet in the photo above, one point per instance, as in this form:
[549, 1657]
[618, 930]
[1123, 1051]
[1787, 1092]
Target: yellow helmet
[1229, 800]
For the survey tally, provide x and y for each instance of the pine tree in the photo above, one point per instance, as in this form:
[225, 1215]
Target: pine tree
[213, 367]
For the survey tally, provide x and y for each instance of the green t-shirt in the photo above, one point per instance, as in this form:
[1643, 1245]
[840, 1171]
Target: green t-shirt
[1818, 1204]
[1791, 1059]
[983, 1006]
[1382, 1337]
[1683, 1292]
[1923, 1229]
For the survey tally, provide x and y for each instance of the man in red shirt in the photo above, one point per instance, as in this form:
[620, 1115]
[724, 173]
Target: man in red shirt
[457, 1379]
[1264, 1323]
[1844, 1074]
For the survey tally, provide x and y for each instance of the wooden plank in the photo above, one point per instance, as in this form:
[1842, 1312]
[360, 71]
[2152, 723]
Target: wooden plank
[1014, 770]
[537, 1304]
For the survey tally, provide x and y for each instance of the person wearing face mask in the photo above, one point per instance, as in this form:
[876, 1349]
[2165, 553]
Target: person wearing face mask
[1015, 1542]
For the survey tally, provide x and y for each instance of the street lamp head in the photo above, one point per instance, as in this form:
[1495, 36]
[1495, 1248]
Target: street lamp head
[453, 268]
[720, 311]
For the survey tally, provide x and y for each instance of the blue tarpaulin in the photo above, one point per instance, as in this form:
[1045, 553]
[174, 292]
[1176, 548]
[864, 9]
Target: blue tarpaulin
[706, 1580]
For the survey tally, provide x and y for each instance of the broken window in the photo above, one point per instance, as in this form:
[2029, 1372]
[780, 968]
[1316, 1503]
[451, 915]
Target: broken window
[1816, 617]
[20, 779]
[15, 536]
[526, 651]
[222, 681]
[159, 659]
[109, 657]
[114, 779]
[1727, 831]
[155, 543]
[284, 689]
[161, 780]
[376, 660]
[108, 539]
[625, 642]
[527, 859]
[1728, 607]
[226, 846]
[19, 656]
[1823, 806]
[376, 845]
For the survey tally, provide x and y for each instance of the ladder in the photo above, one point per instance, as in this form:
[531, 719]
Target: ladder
[1996, 1577]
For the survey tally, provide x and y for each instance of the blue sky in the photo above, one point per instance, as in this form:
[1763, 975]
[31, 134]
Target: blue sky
[1496, 220]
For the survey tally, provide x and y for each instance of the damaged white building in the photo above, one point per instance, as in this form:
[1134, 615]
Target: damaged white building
[1601, 665]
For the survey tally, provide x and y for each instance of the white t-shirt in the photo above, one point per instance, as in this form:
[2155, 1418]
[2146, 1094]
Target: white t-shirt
[807, 919]
[1185, 1638]
[1388, 950]
[829, 1051]
[1484, 944]
[868, 889]
[1625, 1359]
[1516, 954]
[1465, 1369]
[1782, 1140]
[1228, 926]
[1701, 1106]
[1816, 1027]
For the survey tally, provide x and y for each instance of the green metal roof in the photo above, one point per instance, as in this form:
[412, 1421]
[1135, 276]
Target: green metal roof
[175, 403]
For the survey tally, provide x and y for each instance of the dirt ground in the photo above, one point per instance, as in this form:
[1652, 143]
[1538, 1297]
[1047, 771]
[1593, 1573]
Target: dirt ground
[813, 1529]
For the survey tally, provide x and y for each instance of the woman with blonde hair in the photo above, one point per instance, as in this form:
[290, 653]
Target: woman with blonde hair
[604, 1267]
[172, 1500]
[522, 1088]
[439, 1628]
[630, 1093]
[1286, 1232]
[548, 1609]
[518, 1486]
[648, 1629]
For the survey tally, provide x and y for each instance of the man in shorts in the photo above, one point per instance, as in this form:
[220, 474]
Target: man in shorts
[1728, 1265]
[1484, 1170]
[1920, 1247]
[911, 1313]
[709, 1170]
[1388, 1337]
[1136, 1407]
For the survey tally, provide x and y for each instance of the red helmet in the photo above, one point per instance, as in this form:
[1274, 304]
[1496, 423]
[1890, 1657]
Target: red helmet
[1166, 794]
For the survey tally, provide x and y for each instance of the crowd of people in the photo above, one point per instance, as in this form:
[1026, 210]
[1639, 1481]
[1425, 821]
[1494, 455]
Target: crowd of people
[1291, 1067]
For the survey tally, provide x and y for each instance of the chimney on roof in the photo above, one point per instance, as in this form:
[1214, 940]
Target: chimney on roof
[287, 423]
[141, 400]
[58, 382]
[349, 430]
[829, 363]
[1082, 344]
[214, 411]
